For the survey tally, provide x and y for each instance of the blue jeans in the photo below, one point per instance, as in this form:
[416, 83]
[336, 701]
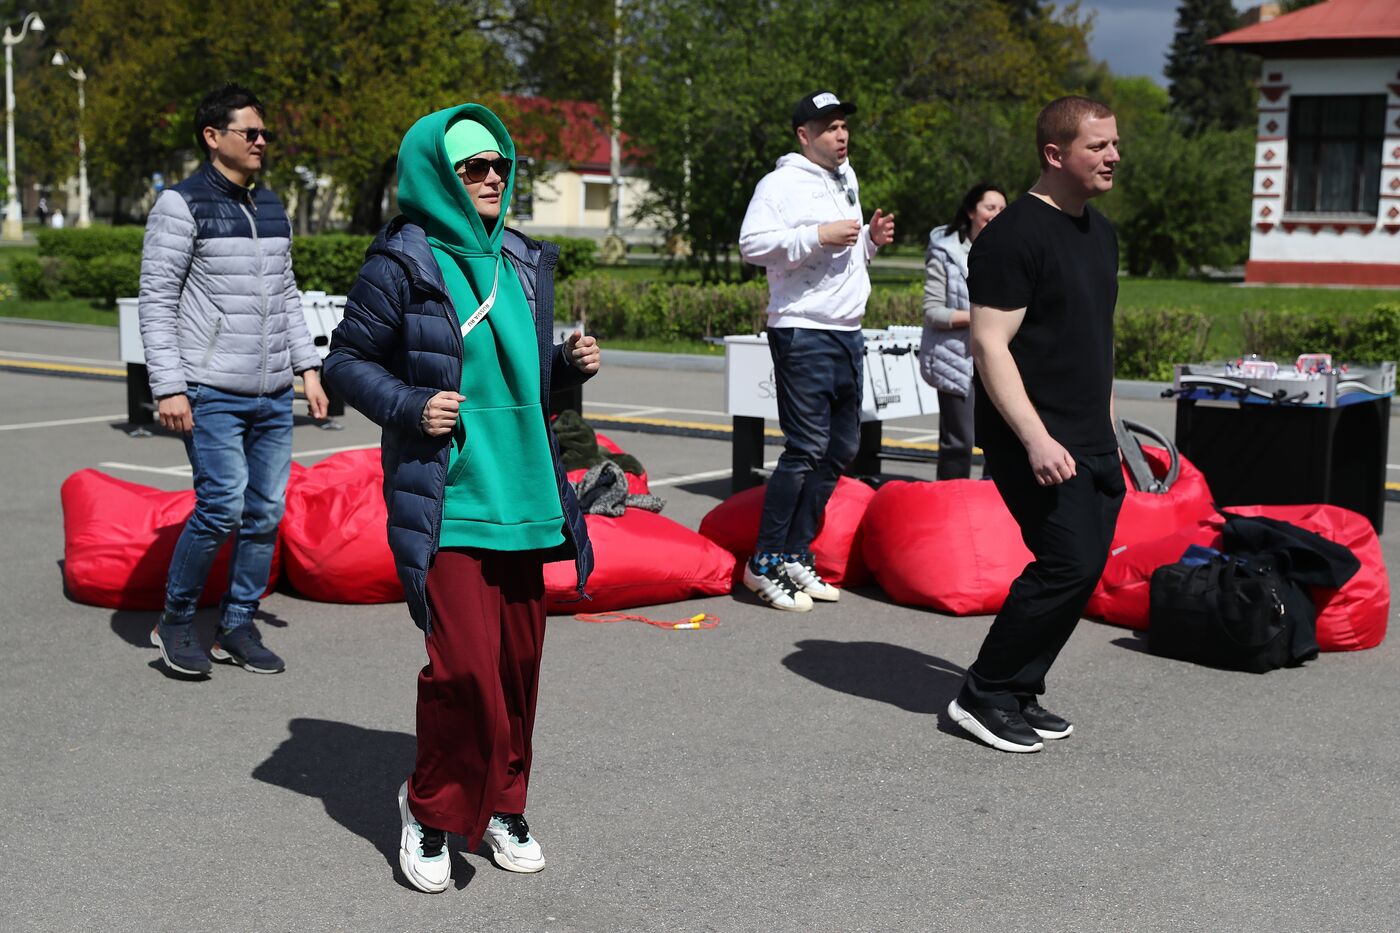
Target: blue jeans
[819, 377]
[241, 452]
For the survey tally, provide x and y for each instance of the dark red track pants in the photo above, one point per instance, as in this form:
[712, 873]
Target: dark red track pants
[476, 696]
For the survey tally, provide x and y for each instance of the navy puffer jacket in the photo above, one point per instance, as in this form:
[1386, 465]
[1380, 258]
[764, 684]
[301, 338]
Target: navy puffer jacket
[399, 345]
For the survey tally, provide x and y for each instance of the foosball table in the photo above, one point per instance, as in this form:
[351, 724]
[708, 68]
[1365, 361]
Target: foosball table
[1288, 433]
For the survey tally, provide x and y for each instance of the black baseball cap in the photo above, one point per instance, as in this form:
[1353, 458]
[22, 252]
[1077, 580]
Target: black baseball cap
[819, 104]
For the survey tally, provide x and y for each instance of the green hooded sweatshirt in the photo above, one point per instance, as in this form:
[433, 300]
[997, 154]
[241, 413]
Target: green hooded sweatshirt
[501, 490]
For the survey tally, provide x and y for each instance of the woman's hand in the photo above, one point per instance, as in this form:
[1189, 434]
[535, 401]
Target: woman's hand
[582, 351]
[440, 414]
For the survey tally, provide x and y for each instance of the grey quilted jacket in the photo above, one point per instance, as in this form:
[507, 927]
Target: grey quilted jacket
[219, 302]
[945, 352]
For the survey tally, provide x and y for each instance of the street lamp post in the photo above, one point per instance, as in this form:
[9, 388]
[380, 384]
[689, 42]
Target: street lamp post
[12, 229]
[77, 74]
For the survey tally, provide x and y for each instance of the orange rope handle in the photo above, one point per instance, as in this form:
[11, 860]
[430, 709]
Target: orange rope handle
[701, 620]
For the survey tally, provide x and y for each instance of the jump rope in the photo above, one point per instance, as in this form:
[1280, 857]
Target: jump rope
[701, 620]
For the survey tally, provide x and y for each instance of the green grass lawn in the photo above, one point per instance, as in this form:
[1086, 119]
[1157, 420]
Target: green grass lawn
[1224, 302]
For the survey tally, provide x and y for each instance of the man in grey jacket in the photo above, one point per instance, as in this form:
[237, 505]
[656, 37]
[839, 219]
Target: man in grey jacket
[224, 333]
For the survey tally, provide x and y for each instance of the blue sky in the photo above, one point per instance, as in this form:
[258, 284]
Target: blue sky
[1133, 35]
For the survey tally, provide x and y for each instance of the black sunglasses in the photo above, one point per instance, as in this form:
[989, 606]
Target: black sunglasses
[251, 133]
[476, 170]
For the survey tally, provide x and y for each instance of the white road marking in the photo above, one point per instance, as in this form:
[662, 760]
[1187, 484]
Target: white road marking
[142, 468]
[589, 403]
[332, 450]
[92, 419]
[695, 477]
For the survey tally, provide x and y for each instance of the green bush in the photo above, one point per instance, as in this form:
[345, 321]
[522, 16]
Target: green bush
[328, 262]
[576, 254]
[1351, 336]
[86, 243]
[617, 308]
[106, 277]
[36, 279]
[1147, 343]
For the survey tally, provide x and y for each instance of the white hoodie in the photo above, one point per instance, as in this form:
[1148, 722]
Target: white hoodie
[809, 285]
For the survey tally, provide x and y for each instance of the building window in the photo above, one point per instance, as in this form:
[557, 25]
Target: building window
[597, 196]
[1334, 154]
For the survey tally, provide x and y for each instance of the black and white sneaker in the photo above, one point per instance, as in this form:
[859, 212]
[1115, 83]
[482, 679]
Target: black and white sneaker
[764, 575]
[1002, 729]
[802, 570]
[1045, 723]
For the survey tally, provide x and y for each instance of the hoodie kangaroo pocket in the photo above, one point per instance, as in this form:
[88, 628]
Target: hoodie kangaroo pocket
[504, 473]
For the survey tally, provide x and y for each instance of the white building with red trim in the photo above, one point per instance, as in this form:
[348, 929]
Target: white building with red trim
[1327, 162]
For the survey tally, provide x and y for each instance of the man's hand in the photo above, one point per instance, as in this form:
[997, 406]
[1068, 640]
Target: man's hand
[840, 233]
[881, 228]
[175, 413]
[317, 405]
[582, 351]
[1050, 462]
[440, 414]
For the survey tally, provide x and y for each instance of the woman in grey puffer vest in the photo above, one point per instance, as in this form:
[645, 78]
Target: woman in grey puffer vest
[945, 355]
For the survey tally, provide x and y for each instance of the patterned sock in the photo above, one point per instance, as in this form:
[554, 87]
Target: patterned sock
[763, 561]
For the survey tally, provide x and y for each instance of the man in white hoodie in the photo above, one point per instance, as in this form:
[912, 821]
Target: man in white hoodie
[804, 227]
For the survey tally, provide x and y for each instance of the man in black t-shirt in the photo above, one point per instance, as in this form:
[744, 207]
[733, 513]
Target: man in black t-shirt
[1043, 279]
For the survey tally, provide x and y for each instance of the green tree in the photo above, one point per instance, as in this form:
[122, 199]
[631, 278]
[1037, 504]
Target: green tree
[1210, 86]
[1187, 200]
[342, 79]
[710, 85]
[564, 47]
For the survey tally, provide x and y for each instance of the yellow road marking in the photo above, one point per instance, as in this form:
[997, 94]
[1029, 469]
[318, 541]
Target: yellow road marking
[62, 368]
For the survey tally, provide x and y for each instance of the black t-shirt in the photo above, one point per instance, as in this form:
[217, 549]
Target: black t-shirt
[1064, 271]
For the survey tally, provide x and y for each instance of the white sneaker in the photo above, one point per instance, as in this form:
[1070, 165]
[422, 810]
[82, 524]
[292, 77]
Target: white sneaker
[428, 873]
[807, 580]
[776, 590]
[512, 846]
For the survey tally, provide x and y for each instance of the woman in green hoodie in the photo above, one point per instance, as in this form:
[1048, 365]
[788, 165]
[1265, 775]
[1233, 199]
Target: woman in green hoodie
[446, 342]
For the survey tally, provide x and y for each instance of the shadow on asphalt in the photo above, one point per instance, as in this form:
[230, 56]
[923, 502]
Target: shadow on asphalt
[719, 489]
[899, 676]
[355, 773]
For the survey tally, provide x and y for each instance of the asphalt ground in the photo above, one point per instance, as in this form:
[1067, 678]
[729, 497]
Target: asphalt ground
[778, 772]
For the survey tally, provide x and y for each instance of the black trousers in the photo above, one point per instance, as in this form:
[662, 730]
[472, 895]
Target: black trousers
[955, 431]
[1068, 529]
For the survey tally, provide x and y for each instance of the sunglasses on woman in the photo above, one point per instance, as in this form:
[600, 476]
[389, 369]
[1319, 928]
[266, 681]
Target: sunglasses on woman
[476, 170]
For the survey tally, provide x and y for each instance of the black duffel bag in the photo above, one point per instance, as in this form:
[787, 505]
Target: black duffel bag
[1223, 612]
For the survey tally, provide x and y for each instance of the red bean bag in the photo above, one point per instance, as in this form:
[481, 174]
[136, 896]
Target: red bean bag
[335, 532]
[733, 525]
[640, 559]
[950, 545]
[1148, 516]
[1122, 594]
[118, 538]
[1355, 615]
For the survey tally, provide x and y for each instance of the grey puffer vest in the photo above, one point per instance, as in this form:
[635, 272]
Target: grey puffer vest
[945, 355]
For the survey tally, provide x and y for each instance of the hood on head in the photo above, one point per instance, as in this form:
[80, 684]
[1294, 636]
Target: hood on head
[430, 193]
